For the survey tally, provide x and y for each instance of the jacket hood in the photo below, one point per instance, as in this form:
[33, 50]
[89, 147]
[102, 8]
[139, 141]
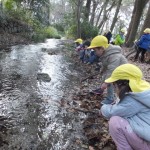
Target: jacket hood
[112, 49]
[142, 97]
[147, 36]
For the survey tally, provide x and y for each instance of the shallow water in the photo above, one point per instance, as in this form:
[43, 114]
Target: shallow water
[31, 116]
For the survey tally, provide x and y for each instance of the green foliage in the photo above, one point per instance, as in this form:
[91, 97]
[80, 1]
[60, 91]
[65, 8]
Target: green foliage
[42, 33]
[39, 32]
[51, 32]
[9, 4]
[59, 27]
[71, 32]
[87, 31]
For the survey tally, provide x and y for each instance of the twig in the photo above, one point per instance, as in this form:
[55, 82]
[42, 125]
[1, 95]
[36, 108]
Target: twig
[85, 111]
[89, 77]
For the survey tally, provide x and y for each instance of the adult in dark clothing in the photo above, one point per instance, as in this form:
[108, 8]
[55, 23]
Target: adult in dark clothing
[108, 35]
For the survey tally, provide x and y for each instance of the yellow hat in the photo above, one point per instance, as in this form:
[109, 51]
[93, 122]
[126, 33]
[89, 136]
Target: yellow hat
[147, 30]
[79, 41]
[99, 41]
[123, 30]
[133, 74]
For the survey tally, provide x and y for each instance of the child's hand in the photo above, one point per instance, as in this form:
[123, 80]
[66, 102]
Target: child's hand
[100, 113]
[104, 86]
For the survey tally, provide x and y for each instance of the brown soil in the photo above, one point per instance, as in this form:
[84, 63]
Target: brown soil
[7, 40]
[95, 126]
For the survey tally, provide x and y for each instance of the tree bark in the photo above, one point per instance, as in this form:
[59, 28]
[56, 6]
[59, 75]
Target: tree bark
[87, 9]
[146, 21]
[105, 15]
[131, 22]
[100, 13]
[136, 16]
[78, 18]
[93, 12]
[102, 27]
[116, 15]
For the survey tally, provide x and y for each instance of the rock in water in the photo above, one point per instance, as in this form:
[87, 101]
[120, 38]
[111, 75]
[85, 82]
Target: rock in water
[43, 77]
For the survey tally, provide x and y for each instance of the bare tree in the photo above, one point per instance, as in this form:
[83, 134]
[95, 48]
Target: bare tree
[146, 21]
[103, 7]
[135, 20]
[79, 2]
[87, 9]
[95, 3]
[105, 14]
[116, 15]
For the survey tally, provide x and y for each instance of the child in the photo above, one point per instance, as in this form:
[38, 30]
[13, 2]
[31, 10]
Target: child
[110, 57]
[78, 44]
[143, 45]
[129, 123]
[108, 35]
[85, 54]
[120, 38]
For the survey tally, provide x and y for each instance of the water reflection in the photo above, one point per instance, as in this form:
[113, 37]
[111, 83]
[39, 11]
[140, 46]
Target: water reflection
[35, 119]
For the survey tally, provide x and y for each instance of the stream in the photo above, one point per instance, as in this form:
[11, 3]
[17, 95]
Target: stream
[35, 80]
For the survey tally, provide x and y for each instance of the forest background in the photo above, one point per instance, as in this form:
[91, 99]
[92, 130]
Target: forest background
[35, 20]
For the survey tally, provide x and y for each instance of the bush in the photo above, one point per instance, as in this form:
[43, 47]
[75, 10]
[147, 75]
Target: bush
[87, 31]
[71, 32]
[51, 32]
[38, 37]
[59, 27]
[37, 31]
[42, 33]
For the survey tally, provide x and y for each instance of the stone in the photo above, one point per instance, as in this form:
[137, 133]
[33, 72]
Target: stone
[43, 77]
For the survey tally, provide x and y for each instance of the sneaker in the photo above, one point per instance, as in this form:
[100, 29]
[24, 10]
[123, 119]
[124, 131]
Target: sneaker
[97, 91]
[106, 101]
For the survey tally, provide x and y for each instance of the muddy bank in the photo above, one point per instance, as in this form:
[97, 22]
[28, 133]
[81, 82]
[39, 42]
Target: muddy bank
[95, 127]
[7, 40]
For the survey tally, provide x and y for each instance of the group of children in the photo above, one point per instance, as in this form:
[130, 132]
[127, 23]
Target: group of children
[88, 55]
[127, 102]
[85, 55]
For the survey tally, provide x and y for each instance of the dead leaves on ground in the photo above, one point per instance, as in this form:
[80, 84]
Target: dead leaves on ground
[95, 127]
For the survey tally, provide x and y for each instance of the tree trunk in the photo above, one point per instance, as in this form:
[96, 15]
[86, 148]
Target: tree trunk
[78, 18]
[102, 27]
[105, 15]
[136, 15]
[131, 22]
[146, 21]
[87, 9]
[102, 8]
[115, 16]
[93, 12]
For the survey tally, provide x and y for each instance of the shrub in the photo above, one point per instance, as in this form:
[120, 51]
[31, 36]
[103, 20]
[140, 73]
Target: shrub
[43, 33]
[71, 32]
[59, 27]
[51, 32]
[37, 31]
[87, 31]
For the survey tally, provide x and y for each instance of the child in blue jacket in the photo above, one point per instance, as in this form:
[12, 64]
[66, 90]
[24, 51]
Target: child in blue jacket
[143, 45]
[129, 124]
